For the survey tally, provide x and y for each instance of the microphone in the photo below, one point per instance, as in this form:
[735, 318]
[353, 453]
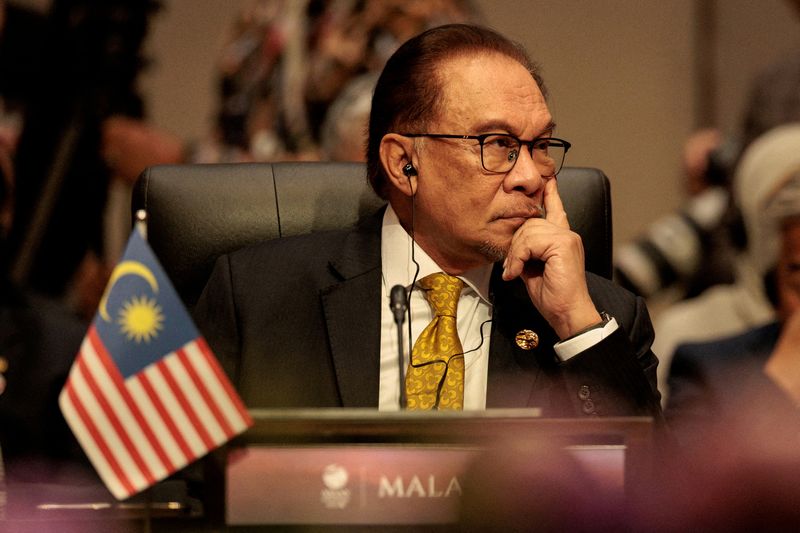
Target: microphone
[398, 304]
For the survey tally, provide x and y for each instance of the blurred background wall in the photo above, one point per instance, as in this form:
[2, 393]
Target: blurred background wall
[625, 83]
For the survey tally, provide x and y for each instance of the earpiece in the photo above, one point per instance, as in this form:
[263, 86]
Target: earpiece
[409, 170]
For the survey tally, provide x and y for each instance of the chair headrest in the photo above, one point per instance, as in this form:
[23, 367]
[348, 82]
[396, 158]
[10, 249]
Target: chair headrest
[195, 213]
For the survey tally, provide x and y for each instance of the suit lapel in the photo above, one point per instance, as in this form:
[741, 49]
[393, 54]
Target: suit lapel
[513, 372]
[352, 314]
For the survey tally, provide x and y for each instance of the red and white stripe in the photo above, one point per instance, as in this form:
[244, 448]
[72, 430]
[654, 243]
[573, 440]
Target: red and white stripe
[139, 430]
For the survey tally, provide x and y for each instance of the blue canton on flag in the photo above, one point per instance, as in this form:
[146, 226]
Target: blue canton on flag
[145, 395]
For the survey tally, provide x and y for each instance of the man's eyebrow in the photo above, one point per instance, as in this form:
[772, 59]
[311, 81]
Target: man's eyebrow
[500, 126]
[551, 126]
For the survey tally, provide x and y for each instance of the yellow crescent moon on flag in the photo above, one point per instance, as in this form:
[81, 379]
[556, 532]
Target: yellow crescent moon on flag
[126, 268]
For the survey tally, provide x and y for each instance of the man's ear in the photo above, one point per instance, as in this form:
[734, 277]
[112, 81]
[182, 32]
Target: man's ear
[396, 154]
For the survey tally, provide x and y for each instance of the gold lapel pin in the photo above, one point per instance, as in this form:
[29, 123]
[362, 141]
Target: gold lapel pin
[527, 339]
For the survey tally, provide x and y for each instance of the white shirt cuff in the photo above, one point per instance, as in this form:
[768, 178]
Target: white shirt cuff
[569, 348]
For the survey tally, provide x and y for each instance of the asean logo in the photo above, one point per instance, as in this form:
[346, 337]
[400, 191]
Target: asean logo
[335, 495]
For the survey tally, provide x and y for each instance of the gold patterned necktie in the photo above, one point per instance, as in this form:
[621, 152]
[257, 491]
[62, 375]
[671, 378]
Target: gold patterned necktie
[437, 358]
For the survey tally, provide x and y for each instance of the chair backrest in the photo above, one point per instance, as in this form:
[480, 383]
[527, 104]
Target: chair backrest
[196, 213]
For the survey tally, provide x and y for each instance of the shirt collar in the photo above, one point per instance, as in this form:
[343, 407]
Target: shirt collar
[399, 269]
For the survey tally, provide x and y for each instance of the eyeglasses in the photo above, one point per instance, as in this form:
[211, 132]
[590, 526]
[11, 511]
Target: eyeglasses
[500, 151]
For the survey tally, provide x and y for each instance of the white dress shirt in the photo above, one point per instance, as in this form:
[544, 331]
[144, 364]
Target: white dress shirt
[473, 318]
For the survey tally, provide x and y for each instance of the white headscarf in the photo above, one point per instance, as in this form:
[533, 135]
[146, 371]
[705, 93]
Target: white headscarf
[770, 165]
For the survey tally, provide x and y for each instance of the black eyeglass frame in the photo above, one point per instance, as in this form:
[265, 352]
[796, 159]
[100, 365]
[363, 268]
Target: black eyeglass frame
[482, 138]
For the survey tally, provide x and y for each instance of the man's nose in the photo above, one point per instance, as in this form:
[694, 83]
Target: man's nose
[525, 176]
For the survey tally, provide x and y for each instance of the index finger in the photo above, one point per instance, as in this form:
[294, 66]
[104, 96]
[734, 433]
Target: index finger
[553, 207]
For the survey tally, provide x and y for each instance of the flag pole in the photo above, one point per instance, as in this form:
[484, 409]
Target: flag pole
[141, 223]
[141, 226]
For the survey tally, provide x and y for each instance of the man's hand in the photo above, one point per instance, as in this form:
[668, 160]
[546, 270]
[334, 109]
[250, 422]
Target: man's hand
[549, 259]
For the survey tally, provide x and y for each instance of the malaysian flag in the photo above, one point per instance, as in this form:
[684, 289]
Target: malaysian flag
[145, 395]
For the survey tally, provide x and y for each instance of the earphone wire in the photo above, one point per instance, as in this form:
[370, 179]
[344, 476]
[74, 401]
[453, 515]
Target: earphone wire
[408, 311]
[413, 281]
[447, 363]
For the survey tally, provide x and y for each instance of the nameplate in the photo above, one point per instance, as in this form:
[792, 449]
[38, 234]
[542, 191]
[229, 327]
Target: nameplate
[370, 483]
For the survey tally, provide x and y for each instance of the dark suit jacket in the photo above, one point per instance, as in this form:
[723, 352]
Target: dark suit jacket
[39, 341]
[719, 385]
[296, 323]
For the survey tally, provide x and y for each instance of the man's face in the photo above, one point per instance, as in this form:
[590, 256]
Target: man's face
[788, 275]
[465, 215]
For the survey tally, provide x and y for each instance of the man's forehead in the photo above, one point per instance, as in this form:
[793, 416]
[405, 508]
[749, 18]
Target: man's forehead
[491, 91]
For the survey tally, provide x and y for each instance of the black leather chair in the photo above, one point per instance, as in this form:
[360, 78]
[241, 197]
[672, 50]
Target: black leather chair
[196, 213]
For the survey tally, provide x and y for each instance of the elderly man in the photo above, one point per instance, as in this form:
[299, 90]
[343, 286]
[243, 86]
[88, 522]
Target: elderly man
[501, 310]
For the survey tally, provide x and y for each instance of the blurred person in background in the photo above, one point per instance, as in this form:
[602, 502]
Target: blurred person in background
[755, 375]
[687, 251]
[66, 69]
[287, 75]
[287, 63]
[38, 342]
[687, 259]
[343, 132]
[728, 308]
[733, 406]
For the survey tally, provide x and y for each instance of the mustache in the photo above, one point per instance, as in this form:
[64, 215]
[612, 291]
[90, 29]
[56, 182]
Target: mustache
[521, 211]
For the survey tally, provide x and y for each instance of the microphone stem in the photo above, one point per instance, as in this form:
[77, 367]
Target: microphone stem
[401, 365]
[398, 303]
